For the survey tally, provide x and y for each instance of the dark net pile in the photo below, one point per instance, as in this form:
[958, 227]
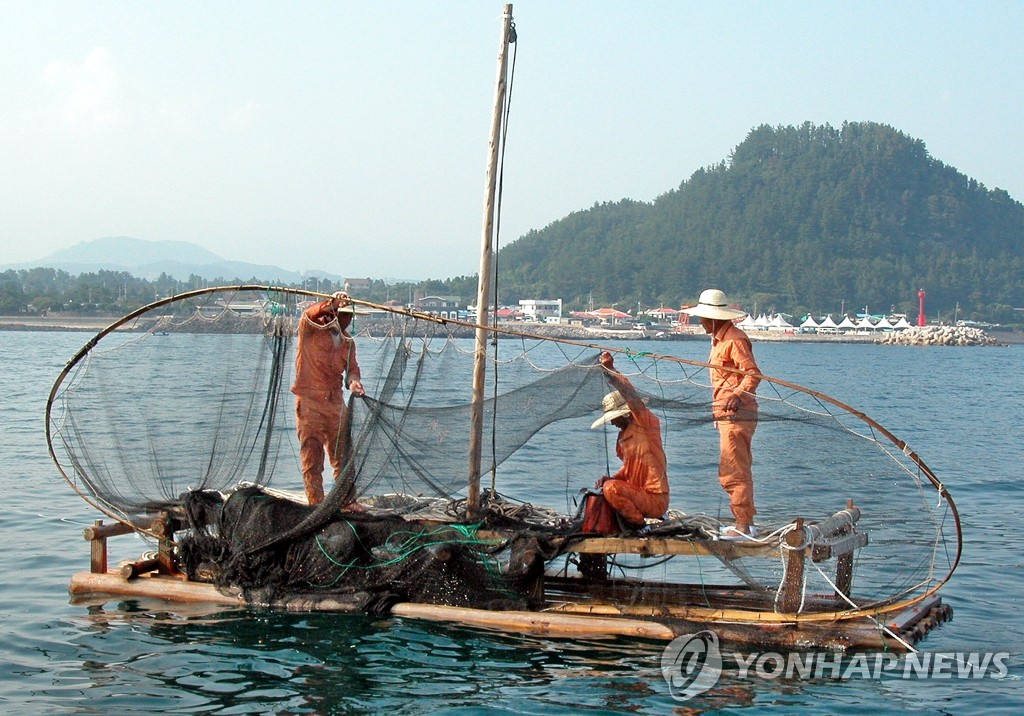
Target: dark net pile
[354, 561]
[189, 410]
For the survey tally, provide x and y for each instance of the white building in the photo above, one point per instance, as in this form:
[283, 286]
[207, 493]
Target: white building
[541, 310]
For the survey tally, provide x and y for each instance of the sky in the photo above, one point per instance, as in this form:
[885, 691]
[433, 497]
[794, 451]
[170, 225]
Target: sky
[351, 137]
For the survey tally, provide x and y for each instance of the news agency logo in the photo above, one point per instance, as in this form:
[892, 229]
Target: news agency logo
[692, 664]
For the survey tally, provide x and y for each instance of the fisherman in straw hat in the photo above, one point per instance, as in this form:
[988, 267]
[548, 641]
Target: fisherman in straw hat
[733, 406]
[640, 487]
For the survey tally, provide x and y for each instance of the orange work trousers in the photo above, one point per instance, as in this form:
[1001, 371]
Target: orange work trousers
[318, 424]
[633, 503]
[735, 466]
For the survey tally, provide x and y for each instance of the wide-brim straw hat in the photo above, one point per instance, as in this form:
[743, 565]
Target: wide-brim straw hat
[713, 304]
[614, 406]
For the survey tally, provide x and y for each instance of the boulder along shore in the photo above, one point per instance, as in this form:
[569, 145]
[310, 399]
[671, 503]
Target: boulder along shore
[939, 336]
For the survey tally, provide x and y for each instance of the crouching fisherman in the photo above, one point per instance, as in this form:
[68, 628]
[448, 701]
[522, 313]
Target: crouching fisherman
[639, 488]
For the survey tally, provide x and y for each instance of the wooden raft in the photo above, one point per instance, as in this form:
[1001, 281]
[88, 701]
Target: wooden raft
[158, 578]
[832, 537]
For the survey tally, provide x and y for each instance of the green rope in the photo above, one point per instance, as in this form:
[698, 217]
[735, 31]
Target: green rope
[407, 548]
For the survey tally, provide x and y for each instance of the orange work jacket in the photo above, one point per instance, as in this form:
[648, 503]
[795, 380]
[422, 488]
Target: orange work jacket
[325, 352]
[730, 348]
[640, 449]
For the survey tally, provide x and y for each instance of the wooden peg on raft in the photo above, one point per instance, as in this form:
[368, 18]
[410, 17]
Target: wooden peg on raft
[131, 570]
[844, 563]
[792, 586]
[97, 551]
[163, 528]
[97, 536]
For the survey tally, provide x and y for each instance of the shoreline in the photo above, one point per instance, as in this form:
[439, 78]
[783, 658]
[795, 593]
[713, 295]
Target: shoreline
[95, 324]
[56, 323]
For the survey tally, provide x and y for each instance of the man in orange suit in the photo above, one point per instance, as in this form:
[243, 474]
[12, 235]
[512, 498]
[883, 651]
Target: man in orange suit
[733, 405]
[325, 356]
[639, 488]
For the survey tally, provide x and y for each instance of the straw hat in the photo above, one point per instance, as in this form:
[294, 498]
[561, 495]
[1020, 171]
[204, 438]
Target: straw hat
[614, 406]
[713, 304]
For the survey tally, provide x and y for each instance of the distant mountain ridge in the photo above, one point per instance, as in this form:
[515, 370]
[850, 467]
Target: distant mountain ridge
[148, 259]
[806, 219]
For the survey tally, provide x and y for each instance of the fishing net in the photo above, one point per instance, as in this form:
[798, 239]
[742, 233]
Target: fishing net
[183, 408]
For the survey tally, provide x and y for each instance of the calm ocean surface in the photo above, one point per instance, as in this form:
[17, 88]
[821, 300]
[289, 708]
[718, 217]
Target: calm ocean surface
[960, 409]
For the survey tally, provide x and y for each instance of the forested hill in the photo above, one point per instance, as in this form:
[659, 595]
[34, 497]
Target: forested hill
[798, 218]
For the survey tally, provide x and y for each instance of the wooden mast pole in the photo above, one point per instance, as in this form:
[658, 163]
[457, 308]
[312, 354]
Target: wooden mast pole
[484, 286]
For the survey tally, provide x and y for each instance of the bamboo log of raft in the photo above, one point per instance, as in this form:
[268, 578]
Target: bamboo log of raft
[168, 588]
[566, 620]
[542, 623]
[861, 634]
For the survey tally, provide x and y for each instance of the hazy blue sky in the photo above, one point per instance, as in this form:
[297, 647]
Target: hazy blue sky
[351, 137]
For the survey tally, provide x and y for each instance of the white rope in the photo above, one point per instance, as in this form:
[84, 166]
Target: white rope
[849, 601]
[782, 581]
[803, 593]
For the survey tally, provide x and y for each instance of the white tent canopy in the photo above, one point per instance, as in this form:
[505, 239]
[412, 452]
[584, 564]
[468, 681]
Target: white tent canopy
[778, 322]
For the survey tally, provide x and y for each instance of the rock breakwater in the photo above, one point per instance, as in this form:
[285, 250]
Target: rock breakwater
[938, 336]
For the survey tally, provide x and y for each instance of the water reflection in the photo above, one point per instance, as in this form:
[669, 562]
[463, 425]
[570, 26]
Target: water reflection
[242, 661]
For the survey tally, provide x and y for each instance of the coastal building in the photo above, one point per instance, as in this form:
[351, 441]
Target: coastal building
[541, 310]
[610, 316]
[663, 315]
[358, 285]
[443, 306]
[507, 314]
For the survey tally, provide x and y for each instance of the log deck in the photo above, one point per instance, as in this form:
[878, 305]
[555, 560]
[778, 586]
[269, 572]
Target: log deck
[740, 618]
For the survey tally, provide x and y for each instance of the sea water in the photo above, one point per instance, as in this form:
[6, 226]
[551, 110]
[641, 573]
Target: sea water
[960, 409]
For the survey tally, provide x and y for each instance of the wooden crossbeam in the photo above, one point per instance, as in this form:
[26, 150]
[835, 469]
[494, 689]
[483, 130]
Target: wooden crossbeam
[820, 551]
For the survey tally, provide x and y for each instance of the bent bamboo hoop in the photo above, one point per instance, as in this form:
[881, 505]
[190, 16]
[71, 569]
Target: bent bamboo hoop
[114, 514]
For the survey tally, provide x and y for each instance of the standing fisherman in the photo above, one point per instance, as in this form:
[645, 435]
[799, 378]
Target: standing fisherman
[325, 353]
[733, 405]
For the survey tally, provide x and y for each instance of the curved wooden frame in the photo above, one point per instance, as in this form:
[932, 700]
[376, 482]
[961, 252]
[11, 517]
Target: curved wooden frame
[757, 616]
